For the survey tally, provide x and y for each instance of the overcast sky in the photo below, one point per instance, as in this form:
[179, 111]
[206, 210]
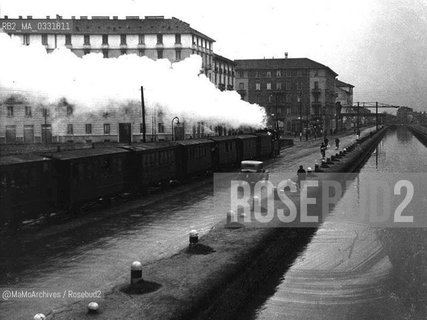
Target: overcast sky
[379, 46]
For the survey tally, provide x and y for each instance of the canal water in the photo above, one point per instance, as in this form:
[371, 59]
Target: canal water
[352, 270]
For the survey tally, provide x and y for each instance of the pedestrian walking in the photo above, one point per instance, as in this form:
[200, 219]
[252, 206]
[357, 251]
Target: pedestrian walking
[301, 175]
[326, 142]
[323, 150]
[337, 143]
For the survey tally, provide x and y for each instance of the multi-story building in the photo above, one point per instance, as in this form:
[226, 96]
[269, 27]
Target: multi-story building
[154, 36]
[298, 93]
[344, 102]
[223, 72]
[405, 115]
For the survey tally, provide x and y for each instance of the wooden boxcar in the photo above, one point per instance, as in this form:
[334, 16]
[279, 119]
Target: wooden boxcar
[247, 147]
[27, 187]
[194, 157]
[152, 163]
[89, 174]
[264, 145]
[226, 153]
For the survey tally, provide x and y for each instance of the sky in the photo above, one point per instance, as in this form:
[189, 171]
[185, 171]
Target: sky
[379, 46]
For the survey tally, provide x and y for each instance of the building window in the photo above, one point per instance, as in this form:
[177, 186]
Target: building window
[177, 38]
[68, 39]
[44, 39]
[159, 39]
[278, 74]
[316, 84]
[270, 99]
[88, 128]
[123, 51]
[288, 73]
[105, 53]
[141, 52]
[10, 111]
[28, 111]
[141, 39]
[161, 127]
[241, 86]
[268, 85]
[299, 73]
[288, 85]
[278, 86]
[257, 86]
[70, 129]
[298, 85]
[86, 40]
[256, 74]
[268, 74]
[105, 39]
[159, 54]
[178, 54]
[69, 110]
[192, 40]
[288, 98]
[106, 128]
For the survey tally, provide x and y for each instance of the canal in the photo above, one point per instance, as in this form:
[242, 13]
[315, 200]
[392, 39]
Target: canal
[352, 270]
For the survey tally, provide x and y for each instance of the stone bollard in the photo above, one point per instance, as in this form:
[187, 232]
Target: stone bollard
[194, 237]
[135, 272]
[254, 200]
[93, 307]
[324, 164]
[230, 215]
[39, 316]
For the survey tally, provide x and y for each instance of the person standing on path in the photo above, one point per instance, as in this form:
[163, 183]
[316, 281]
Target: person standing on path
[337, 143]
[323, 150]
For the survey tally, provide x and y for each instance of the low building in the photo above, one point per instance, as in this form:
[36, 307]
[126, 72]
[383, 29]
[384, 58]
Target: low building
[21, 122]
[298, 93]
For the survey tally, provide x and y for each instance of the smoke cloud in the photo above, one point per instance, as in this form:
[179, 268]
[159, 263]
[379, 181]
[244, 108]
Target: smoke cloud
[94, 84]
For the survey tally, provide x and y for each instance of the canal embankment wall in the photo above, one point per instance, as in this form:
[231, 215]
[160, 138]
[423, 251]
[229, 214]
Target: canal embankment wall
[214, 279]
[420, 132]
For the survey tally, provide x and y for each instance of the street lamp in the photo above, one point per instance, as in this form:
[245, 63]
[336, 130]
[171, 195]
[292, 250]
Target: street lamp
[176, 118]
[300, 117]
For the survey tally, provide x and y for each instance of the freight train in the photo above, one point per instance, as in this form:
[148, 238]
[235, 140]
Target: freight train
[33, 185]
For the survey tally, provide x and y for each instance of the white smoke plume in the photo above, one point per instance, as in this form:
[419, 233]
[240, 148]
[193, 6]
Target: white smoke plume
[93, 84]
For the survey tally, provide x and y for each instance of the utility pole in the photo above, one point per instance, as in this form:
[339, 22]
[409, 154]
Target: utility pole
[376, 116]
[300, 117]
[143, 114]
[358, 115]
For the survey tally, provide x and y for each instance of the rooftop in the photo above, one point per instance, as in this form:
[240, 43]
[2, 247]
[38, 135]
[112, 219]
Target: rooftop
[110, 25]
[283, 63]
[339, 83]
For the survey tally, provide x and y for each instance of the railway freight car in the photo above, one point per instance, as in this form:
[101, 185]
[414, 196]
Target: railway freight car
[246, 147]
[90, 174]
[152, 164]
[225, 152]
[27, 187]
[264, 145]
[194, 157]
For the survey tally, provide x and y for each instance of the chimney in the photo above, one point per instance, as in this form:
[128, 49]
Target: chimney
[47, 17]
[286, 55]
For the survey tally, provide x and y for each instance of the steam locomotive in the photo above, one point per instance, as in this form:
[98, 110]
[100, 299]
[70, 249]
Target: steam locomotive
[32, 185]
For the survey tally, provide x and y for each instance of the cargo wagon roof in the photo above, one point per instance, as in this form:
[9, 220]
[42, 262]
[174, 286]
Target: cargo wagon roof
[21, 158]
[84, 153]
